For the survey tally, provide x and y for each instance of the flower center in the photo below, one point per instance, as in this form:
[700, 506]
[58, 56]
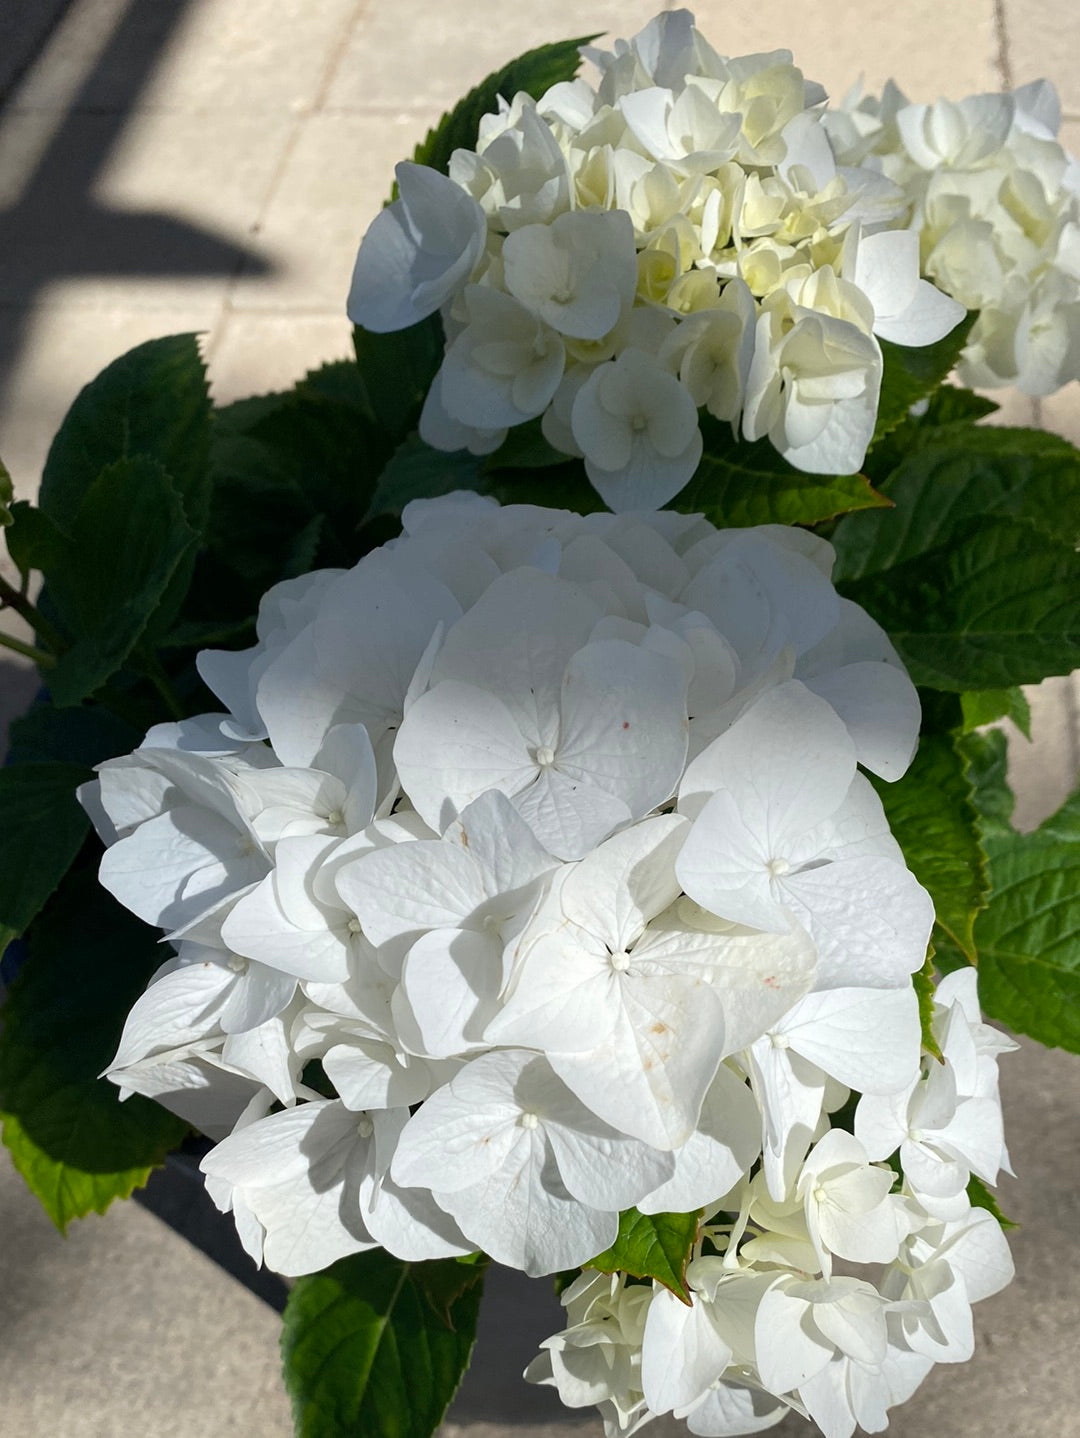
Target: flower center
[776, 867]
[529, 1120]
[238, 964]
[364, 1127]
[620, 962]
[544, 756]
[354, 926]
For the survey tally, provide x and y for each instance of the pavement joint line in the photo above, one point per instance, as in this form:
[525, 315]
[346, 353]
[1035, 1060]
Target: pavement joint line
[338, 53]
[1003, 62]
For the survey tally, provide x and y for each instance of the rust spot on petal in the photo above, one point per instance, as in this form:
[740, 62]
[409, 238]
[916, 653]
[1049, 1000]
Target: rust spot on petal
[659, 1029]
[626, 723]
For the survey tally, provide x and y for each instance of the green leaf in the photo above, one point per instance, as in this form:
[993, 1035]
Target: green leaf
[656, 1245]
[7, 494]
[128, 540]
[328, 451]
[997, 605]
[923, 982]
[1028, 936]
[523, 448]
[33, 541]
[416, 471]
[980, 1196]
[202, 633]
[72, 1140]
[395, 372]
[85, 736]
[952, 404]
[42, 827]
[151, 401]
[534, 72]
[376, 1346]
[932, 816]
[913, 374]
[258, 508]
[984, 706]
[968, 474]
[740, 484]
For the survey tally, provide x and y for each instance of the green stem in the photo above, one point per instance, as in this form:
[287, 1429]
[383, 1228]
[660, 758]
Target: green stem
[39, 656]
[11, 598]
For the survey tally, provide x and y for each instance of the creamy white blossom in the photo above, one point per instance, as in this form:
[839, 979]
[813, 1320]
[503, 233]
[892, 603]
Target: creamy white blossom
[553, 890]
[679, 238]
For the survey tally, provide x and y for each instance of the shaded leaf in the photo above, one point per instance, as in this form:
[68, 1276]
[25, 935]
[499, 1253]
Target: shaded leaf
[395, 372]
[654, 1245]
[416, 471]
[151, 401]
[128, 540]
[523, 448]
[72, 1140]
[42, 827]
[740, 484]
[933, 819]
[376, 1346]
[7, 494]
[33, 541]
[85, 736]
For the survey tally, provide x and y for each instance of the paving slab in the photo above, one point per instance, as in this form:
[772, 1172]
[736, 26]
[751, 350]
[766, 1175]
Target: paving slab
[257, 353]
[1043, 38]
[412, 52]
[125, 1329]
[338, 172]
[930, 49]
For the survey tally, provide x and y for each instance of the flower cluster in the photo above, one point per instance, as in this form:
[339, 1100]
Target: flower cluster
[995, 202]
[678, 238]
[529, 875]
[771, 1327]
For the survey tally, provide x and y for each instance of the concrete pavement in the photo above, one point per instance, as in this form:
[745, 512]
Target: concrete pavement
[171, 165]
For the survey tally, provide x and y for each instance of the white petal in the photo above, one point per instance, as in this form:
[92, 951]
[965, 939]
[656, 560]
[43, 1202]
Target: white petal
[682, 1354]
[408, 888]
[880, 706]
[870, 920]
[455, 743]
[624, 727]
[869, 1039]
[721, 1149]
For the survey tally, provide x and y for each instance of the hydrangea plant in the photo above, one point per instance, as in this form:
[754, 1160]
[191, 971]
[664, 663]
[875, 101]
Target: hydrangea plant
[553, 748]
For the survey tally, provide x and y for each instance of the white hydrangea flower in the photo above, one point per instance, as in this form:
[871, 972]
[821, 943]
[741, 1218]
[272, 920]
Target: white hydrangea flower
[993, 204]
[689, 212]
[554, 890]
